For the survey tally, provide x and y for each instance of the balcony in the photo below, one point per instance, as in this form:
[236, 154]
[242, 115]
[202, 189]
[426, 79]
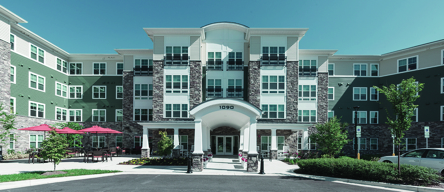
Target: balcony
[214, 92]
[176, 60]
[213, 65]
[143, 71]
[273, 60]
[235, 65]
[307, 71]
[235, 92]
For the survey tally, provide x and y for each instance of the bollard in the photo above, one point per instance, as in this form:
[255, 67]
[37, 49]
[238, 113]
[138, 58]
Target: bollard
[262, 165]
[189, 166]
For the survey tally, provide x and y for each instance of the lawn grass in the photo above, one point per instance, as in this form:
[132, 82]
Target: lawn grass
[37, 174]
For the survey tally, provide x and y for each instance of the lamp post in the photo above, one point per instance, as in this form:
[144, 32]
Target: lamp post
[356, 108]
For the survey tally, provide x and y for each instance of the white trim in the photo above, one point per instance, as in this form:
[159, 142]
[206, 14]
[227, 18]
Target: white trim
[75, 86]
[115, 114]
[92, 96]
[117, 63]
[366, 69]
[92, 115]
[442, 113]
[61, 115]
[329, 112]
[15, 104]
[15, 74]
[172, 89]
[27, 57]
[121, 142]
[407, 144]
[98, 140]
[360, 88]
[370, 117]
[61, 90]
[329, 93]
[377, 94]
[370, 144]
[37, 109]
[417, 118]
[442, 143]
[407, 63]
[69, 68]
[365, 145]
[106, 66]
[172, 110]
[37, 54]
[301, 114]
[36, 140]
[277, 111]
[333, 69]
[442, 85]
[353, 117]
[371, 64]
[122, 91]
[442, 57]
[134, 143]
[61, 65]
[12, 42]
[81, 115]
[11, 141]
[37, 82]
[140, 114]
[277, 85]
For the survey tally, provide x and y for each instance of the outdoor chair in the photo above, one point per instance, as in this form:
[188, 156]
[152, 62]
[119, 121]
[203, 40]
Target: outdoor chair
[106, 154]
[113, 151]
[35, 154]
[97, 154]
[86, 155]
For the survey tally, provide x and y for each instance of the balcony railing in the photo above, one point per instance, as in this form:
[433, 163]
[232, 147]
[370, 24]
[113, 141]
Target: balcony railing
[235, 92]
[214, 92]
[307, 71]
[237, 64]
[273, 59]
[214, 65]
[176, 59]
[143, 71]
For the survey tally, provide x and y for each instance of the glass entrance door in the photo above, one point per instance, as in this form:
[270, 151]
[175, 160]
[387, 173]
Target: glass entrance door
[224, 145]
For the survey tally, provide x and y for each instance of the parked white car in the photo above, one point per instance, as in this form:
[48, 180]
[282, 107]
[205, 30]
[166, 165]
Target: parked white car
[426, 157]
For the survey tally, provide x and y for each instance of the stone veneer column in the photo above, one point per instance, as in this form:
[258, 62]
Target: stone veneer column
[254, 78]
[5, 76]
[322, 97]
[127, 102]
[195, 83]
[158, 90]
[292, 91]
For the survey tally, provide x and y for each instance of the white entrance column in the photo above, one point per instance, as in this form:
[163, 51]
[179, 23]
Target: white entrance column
[145, 145]
[246, 139]
[204, 140]
[176, 150]
[197, 163]
[273, 150]
[304, 141]
[209, 139]
[241, 140]
[253, 137]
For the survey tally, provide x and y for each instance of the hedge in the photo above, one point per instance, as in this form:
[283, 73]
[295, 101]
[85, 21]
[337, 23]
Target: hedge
[370, 171]
[156, 161]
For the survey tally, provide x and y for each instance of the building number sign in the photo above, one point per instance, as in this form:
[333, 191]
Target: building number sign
[226, 107]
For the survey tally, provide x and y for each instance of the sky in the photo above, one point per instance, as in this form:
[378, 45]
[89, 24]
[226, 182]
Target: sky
[353, 27]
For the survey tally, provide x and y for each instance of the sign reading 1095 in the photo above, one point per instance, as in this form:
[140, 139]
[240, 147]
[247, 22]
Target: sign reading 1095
[226, 107]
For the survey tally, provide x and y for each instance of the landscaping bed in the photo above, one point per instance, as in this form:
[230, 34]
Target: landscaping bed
[50, 174]
[157, 161]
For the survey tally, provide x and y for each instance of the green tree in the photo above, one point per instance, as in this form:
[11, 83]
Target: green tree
[331, 136]
[7, 121]
[402, 98]
[54, 147]
[165, 145]
[74, 140]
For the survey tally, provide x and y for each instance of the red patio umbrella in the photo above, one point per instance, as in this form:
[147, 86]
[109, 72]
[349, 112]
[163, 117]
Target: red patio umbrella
[67, 130]
[97, 129]
[42, 127]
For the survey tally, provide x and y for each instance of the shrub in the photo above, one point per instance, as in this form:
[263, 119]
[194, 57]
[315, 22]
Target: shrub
[156, 161]
[370, 171]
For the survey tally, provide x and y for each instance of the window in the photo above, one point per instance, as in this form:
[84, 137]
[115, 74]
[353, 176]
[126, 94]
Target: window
[299, 143]
[138, 141]
[62, 65]
[307, 92]
[12, 41]
[415, 115]
[75, 92]
[99, 92]
[359, 93]
[307, 115]
[442, 85]
[140, 114]
[331, 69]
[273, 55]
[37, 54]
[273, 84]
[150, 114]
[410, 144]
[362, 117]
[373, 143]
[99, 68]
[362, 144]
[75, 115]
[265, 143]
[183, 140]
[234, 88]
[442, 112]
[280, 142]
[214, 61]
[98, 141]
[176, 110]
[119, 141]
[307, 68]
[311, 145]
[61, 90]
[36, 109]
[330, 115]
[235, 61]
[435, 154]
[442, 56]
[374, 69]
[11, 141]
[374, 94]
[143, 91]
[36, 82]
[407, 64]
[214, 88]
[35, 141]
[12, 106]
[119, 68]
[360, 69]
[75, 68]
[119, 92]
[12, 74]
[177, 55]
[99, 115]
[119, 115]
[273, 111]
[331, 93]
[374, 117]
[176, 83]
[61, 113]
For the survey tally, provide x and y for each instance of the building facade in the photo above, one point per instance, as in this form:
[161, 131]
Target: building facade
[222, 88]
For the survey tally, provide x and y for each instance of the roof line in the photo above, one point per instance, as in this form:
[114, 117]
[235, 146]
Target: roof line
[224, 22]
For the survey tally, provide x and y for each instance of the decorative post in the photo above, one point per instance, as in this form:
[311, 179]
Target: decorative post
[356, 132]
[145, 143]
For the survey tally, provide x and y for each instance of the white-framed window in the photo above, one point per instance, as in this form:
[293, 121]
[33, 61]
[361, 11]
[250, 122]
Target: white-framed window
[374, 69]
[35, 141]
[407, 64]
[442, 113]
[37, 82]
[75, 115]
[119, 92]
[331, 93]
[176, 84]
[140, 114]
[307, 67]
[362, 117]
[61, 90]
[13, 74]
[75, 68]
[183, 140]
[311, 145]
[359, 93]
[330, 115]
[61, 113]
[442, 142]
[119, 115]
[75, 91]
[99, 68]
[234, 88]
[176, 55]
[176, 110]
[138, 141]
[119, 141]
[362, 143]
[307, 115]
[300, 143]
[273, 84]
[409, 144]
[99, 115]
[307, 92]
[99, 92]
[442, 56]
[374, 94]
[142, 91]
[273, 111]
[62, 65]
[12, 105]
[235, 60]
[374, 117]
[98, 141]
[37, 54]
[273, 55]
[36, 109]
[214, 61]
[360, 69]
[373, 143]
[11, 141]
[331, 69]
[12, 41]
[266, 143]
[442, 85]
[214, 88]
[415, 115]
[119, 68]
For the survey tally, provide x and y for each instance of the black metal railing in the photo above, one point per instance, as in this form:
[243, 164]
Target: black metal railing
[143, 71]
[307, 71]
[273, 59]
[237, 64]
[235, 92]
[176, 59]
[215, 92]
[215, 65]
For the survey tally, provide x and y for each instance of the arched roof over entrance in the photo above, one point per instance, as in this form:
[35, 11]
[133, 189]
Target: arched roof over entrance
[225, 112]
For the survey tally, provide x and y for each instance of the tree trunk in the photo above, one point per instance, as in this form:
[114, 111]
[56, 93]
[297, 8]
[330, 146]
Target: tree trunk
[54, 166]
[399, 157]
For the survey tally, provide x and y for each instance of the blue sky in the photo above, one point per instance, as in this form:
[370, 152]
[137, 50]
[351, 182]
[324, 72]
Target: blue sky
[350, 26]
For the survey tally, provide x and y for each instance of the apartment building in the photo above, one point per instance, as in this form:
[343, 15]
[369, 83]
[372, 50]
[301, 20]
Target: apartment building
[223, 88]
